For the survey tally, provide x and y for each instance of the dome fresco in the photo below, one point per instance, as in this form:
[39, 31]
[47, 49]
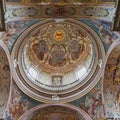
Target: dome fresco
[58, 52]
[58, 58]
[57, 47]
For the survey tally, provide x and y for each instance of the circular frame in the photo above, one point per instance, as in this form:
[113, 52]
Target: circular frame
[73, 93]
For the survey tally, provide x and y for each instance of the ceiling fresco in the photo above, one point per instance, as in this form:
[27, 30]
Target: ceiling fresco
[63, 1]
[15, 28]
[65, 11]
[5, 80]
[58, 53]
[92, 9]
[92, 103]
[103, 28]
[112, 75]
[19, 104]
[57, 48]
[55, 112]
[69, 49]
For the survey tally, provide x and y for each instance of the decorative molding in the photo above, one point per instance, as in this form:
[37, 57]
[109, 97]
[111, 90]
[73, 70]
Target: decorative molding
[21, 12]
[111, 81]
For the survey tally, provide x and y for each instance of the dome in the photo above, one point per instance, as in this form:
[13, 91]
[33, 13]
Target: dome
[57, 58]
[58, 54]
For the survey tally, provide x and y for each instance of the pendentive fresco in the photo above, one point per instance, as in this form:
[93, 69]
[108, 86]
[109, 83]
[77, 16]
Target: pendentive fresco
[5, 81]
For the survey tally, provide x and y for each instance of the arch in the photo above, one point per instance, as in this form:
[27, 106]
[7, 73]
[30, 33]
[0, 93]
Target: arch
[111, 80]
[5, 79]
[55, 112]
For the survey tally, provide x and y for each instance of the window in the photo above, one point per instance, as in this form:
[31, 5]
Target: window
[33, 72]
[81, 72]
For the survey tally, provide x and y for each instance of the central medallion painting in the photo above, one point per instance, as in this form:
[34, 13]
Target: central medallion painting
[58, 48]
